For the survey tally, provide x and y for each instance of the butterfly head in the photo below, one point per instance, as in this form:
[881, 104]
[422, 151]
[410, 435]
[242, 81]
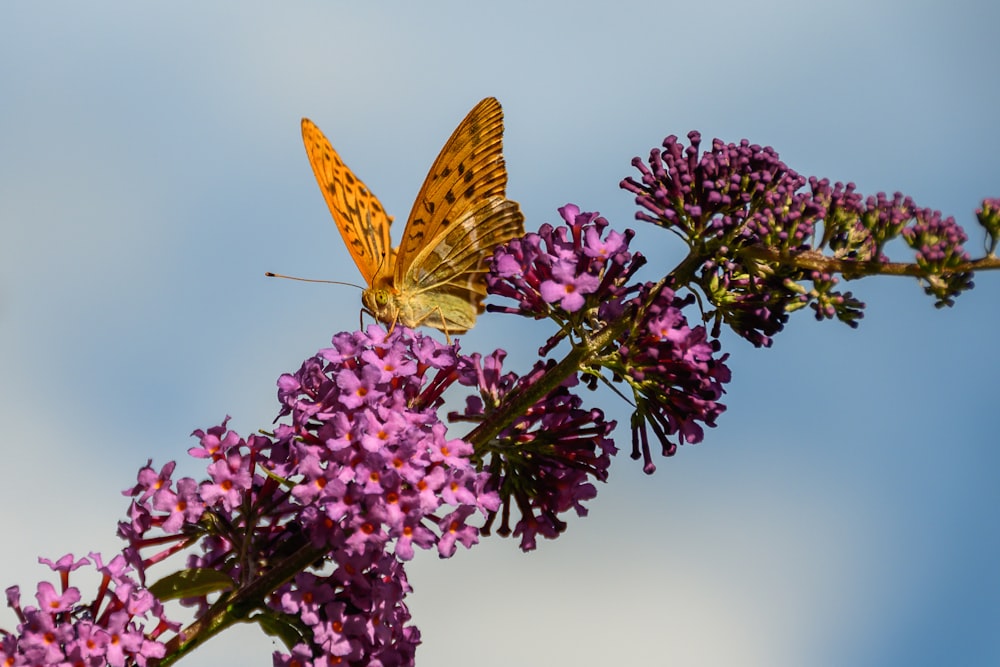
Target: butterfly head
[380, 303]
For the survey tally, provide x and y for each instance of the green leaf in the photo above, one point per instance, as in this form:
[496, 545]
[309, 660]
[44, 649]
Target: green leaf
[282, 626]
[191, 583]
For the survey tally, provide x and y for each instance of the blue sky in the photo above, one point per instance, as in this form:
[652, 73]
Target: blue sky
[151, 170]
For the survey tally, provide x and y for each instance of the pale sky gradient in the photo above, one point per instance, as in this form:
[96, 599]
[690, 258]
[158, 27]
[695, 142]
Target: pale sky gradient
[844, 512]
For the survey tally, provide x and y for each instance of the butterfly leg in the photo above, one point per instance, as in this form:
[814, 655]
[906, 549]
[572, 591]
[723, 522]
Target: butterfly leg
[444, 324]
[392, 324]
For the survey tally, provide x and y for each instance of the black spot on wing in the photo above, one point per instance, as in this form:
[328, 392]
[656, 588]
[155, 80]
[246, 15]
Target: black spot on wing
[416, 229]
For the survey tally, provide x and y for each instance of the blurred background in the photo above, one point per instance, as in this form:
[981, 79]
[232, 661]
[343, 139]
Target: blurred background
[845, 510]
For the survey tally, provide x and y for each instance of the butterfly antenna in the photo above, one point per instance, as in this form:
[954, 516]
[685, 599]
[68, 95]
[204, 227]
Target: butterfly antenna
[381, 264]
[311, 280]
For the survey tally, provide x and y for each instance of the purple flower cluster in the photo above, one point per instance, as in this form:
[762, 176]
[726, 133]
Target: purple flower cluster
[858, 228]
[729, 197]
[367, 450]
[710, 195]
[675, 373]
[988, 216]
[355, 615]
[938, 244]
[544, 457]
[638, 332]
[564, 272]
[756, 233]
[361, 474]
[111, 629]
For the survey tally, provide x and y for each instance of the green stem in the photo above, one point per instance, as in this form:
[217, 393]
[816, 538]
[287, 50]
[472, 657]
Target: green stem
[580, 356]
[817, 261]
[237, 607]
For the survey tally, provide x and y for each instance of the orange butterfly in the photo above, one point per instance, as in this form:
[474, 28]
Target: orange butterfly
[437, 275]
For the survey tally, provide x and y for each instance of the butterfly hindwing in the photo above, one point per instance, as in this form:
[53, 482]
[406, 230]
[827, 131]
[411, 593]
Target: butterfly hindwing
[456, 258]
[359, 215]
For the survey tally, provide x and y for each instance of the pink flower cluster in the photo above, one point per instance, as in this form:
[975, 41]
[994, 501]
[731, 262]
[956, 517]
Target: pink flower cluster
[563, 272]
[578, 275]
[363, 472]
[369, 455]
[543, 461]
[118, 627]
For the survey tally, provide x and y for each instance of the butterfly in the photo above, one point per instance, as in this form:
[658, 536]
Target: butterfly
[436, 277]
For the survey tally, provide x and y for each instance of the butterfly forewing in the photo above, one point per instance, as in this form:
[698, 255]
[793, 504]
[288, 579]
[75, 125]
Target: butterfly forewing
[469, 170]
[360, 217]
